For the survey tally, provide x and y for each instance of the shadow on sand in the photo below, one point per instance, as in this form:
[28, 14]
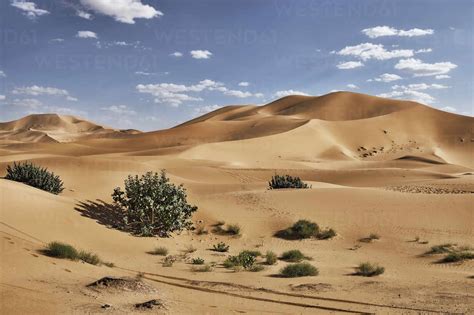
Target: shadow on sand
[104, 213]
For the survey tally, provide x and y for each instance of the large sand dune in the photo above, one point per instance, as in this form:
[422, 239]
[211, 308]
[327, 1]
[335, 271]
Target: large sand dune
[396, 168]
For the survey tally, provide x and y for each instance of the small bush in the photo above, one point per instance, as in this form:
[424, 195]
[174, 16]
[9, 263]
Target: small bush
[204, 268]
[169, 261]
[326, 234]
[299, 270]
[89, 258]
[35, 176]
[233, 229]
[369, 270]
[160, 251]
[270, 258]
[221, 247]
[197, 261]
[62, 250]
[441, 249]
[287, 181]
[190, 249]
[300, 230]
[109, 264]
[293, 256]
[254, 253]
[372, 237]
[245, 259]
[457, 256]
[256, 268]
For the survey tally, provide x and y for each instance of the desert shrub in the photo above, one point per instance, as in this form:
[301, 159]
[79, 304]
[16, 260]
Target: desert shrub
[201, 230]
[254, 253]
[372, 237]
[190, 249]
[299, 270]
[169, 261]
[369, 270]
[286, 181]
[61, 250]
[301, 229]
[441, 249]
[160, 251]
[326, 234]
[270, 258]
[152, 205]
[457, 256]
[109, 264]
[256, 268]
[233, 229]
[203, 268]
[36, 176]
[89, 257]
[293, 256]
[244, 259]
[197, 261]
[221, 247]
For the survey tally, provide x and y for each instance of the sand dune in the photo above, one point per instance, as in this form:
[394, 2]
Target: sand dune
[399, 169]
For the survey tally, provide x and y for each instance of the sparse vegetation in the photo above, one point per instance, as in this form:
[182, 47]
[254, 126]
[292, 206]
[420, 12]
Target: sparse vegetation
[203, 268]
[233, 229]
[201, 230]
[372, 237]
[221, 247]
[286, 181]
[299, 270]
[457, 256]
[169, 261]
[254, 253]
[293, 256]
[441, 249]
[160, 251]
[369, 270]
[36, 176]
[89, 257]
[151, 205]
[190, 249]
[270, 258]
[326, 234]
[300, 230]
[244, 259]
[256, 268]
[197, 261]
[66, 251]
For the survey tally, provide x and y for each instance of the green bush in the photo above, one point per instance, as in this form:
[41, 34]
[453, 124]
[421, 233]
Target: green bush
[197, 261]
[287, 181]
[300, 230]
[244, 259]
[89, 257]
[299, 270]
[160, 251]
[256, 268]
[457, 256]
[270, 258]
[61, 250]
[35, 176]
[221, 247]
[441, 249]
[293, 256]
[326, 234]
[233, 229]
[372, 237]
[151, 205]
[254, 253]
[369, 270]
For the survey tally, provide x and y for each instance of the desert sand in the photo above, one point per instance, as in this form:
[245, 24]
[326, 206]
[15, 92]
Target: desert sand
[397, 168]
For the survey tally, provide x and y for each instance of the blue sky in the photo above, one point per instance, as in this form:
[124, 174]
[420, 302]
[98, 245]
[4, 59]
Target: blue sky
[153, 64]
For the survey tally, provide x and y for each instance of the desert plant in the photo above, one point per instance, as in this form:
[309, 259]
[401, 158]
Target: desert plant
[326, 234]
[233, 229]
[256, 268]
[36, 176]
[61, 250]
[152, 205]
[441, 249]
[160, 251]
[300, 230]
[221, 247]
[244, 259]
[190, 249]
[254, 253]
[109, 264]
[270, 258]
[201, 230]
[286, 181]
[457, 256]
[169, 261]
[89, 257]
[293, 256]
[197, 261]
[203, 268]
[372, 237]
[369, 270]
[299, 270]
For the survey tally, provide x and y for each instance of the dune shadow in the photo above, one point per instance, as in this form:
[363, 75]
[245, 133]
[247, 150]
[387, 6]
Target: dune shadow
[103, 213]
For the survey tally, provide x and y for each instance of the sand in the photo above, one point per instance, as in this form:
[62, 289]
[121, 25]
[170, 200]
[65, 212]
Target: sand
[399, 169]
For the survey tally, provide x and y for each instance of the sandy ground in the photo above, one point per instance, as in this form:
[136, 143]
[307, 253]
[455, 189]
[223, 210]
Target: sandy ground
[420, 186]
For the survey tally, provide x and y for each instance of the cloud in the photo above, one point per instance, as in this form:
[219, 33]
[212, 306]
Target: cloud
[56, 40]
[27, 102]
[206, 109]
[239, 94]
[388, 77]
[119, 110]
[125, 11]
[420, 86]
[380, 31]
[280, 94]
[2, 97]
[29, 8]
[144, 73]
[243, 83]
[36, 90]
[84, 14]
[442, 76]
[2, 74]
[366, 51]
[423, 50]
[449, 109]
[349, 65]
[416, 96]
[200, 54]
[352, 86]
[86, 34]
[177, 54]
[420, 69]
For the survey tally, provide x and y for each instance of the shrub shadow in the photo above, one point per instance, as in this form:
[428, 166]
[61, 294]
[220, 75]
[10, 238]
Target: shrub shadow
[103, 213]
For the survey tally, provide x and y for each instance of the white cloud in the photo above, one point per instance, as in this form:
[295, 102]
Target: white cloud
[352, 86]
[119, 110]
[423, 50]
[125, 11]
[56, 40]
[177, 54]
[200, 54]
[280, 94]
[420, 69]
[206, 109]
[144, 73]
[416, 96]
[366, 51]
[243, 83]
[388, 77]
[442, 76]
[2, 74]
[420, 86]
[449, 109]
[84, 14]
[2, 97]
[239, 94]
[27, 102]
[349, 65]
[380, 31]
[36, 90]
[29, 8]
[86, 34]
